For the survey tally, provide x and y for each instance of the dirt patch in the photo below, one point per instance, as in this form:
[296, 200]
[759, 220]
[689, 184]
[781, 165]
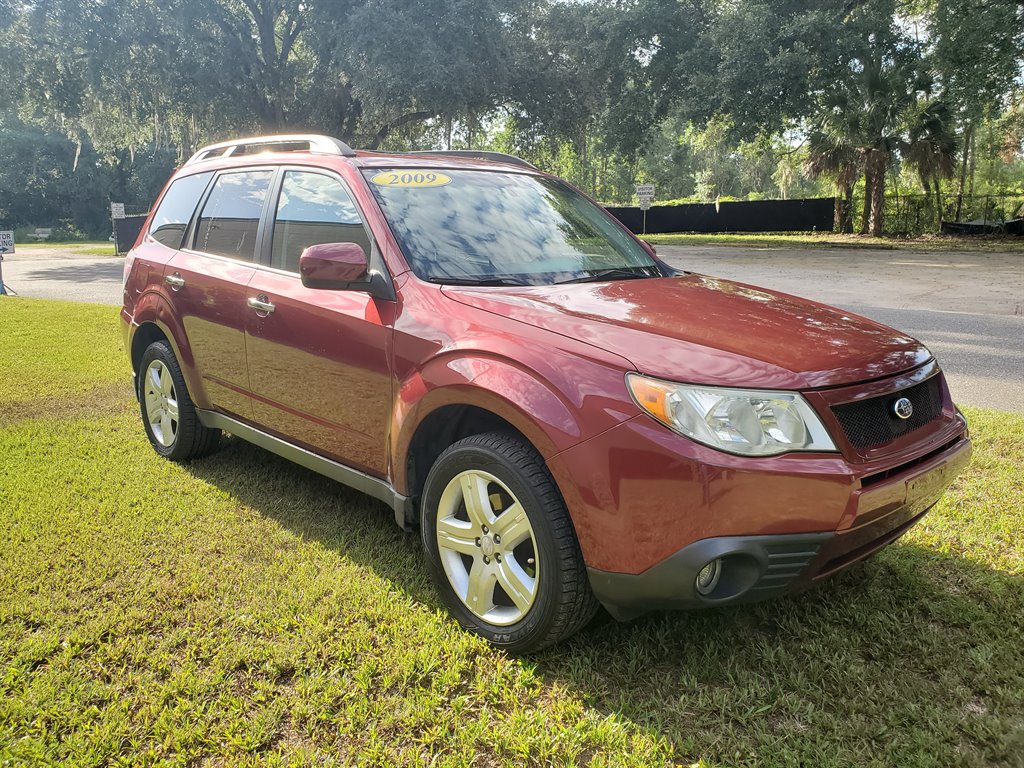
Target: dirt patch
[108, 400]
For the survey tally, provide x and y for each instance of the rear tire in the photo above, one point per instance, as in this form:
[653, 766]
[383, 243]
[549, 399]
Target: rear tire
[168, 413]
[521, 594]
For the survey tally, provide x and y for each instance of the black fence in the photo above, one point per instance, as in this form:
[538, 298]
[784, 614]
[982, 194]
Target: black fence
[126, 231]
[745, 216]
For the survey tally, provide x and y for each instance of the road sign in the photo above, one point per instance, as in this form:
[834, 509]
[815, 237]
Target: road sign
[117, 210]
[645, 190]
[6, 246]
[645, 203]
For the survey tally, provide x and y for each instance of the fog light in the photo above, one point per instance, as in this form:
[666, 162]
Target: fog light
[708, 577]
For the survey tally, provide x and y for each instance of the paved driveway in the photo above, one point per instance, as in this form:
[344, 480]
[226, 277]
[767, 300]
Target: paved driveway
[58, 273]
[967, 307]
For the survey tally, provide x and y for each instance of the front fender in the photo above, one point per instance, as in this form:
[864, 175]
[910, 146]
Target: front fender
[551, 415]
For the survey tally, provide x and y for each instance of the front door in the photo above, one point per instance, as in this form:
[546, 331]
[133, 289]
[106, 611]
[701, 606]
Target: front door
[319, 359]
[208, 279]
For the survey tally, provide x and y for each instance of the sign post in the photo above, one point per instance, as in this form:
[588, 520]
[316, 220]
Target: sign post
[645, 194]
[116, 212]
[6, 246]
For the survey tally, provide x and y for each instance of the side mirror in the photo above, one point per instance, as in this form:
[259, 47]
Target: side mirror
[333, 266]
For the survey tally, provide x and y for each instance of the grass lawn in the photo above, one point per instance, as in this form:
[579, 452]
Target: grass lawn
[79, 247]
[833, 240]
[240, 610]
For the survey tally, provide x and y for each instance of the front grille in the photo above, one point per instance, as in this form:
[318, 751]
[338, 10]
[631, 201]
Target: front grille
[872, 422]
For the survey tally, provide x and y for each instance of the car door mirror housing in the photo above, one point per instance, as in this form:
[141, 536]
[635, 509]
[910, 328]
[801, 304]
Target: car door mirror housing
[334, 266]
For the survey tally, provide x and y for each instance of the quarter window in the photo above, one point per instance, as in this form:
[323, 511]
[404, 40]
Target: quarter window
[231, 217]
[313, 209]
[176, 208]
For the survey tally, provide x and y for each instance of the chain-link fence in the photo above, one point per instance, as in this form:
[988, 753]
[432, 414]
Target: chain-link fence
[922, 214]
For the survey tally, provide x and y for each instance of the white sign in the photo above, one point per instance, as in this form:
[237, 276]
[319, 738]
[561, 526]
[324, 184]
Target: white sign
[6, 243]
[645, 190]
[645, 203]
[117, 210]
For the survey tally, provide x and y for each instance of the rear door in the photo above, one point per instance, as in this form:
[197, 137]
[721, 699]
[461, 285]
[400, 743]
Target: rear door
[208, 278]
[319, 359]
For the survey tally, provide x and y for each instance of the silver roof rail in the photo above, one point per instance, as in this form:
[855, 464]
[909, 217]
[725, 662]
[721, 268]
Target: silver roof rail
[478, 154]
[326, 145]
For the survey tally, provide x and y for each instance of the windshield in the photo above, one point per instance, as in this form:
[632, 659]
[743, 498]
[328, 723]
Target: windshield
[497, 228]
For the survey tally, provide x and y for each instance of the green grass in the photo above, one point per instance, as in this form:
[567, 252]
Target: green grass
[938, 243]
[240, 610]
[33, 244]
[74, 247]
[51, 352]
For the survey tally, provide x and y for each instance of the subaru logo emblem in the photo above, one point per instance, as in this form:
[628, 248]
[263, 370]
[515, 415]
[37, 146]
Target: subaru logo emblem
[903, 408]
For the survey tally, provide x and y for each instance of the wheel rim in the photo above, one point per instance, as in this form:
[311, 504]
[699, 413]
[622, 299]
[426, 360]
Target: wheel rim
[161, 402]
[487, 547]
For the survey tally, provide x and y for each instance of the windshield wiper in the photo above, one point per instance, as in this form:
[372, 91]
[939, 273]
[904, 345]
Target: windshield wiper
[616, 273]
[485, 281]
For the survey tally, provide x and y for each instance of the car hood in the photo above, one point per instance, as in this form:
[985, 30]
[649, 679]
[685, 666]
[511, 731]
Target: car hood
[700, 329]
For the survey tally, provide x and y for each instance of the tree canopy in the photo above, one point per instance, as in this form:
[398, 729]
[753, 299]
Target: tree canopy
[705, 97]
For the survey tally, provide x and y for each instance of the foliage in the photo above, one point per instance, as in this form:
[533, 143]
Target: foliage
[709, 98]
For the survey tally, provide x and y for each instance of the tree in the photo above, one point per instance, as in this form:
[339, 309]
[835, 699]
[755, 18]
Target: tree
[977, 53]
[832, 152]
[866, 111]
[931, 147]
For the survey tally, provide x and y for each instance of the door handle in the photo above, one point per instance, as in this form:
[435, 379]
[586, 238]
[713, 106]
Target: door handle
[176, 281]
[260, 303]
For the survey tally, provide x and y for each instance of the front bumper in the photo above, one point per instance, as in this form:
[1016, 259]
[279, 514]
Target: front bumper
[763, 566]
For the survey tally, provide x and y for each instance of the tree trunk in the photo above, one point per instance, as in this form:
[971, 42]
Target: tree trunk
[869, 176]
[876, 224]
[837, 218]
[968, 136]
[847, 223]
[974, 159]
[405, 119]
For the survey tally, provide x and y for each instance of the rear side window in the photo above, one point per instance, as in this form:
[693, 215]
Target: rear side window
[231, 217]
[176, 209]
[313, 209]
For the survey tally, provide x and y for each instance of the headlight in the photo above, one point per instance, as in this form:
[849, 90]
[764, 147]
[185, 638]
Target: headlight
[742, 421]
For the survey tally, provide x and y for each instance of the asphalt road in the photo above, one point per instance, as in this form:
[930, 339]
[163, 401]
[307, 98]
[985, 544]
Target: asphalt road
[968, 308]
[52, 273]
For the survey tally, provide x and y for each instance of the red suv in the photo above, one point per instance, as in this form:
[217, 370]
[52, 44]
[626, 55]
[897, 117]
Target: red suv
[568, 420]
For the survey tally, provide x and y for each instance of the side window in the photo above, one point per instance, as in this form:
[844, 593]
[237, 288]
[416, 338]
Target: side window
[313, 209]
[176, 208]
[231, 216]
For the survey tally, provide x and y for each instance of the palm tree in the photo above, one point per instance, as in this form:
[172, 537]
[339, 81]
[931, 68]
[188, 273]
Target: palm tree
[863, 122]
[931, 147]
[831, 154]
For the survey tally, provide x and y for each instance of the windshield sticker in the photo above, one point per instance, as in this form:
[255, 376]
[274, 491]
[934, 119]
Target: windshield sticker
[410, 179]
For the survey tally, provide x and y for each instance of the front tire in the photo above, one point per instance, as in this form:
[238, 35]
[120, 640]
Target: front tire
[501, 546]
[168, 413]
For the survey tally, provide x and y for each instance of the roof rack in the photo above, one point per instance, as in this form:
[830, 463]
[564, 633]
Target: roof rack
[476, 154]
[292, 142]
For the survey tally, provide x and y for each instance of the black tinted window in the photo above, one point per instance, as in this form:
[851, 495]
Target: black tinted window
[313, 209]
[231, 216]
[176, 209]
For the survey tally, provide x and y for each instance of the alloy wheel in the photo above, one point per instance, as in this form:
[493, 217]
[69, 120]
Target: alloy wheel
[161, 403]
[487, 547]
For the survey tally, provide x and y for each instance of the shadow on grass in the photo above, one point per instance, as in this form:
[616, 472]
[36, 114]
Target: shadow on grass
[80, 273]
[912, 658]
